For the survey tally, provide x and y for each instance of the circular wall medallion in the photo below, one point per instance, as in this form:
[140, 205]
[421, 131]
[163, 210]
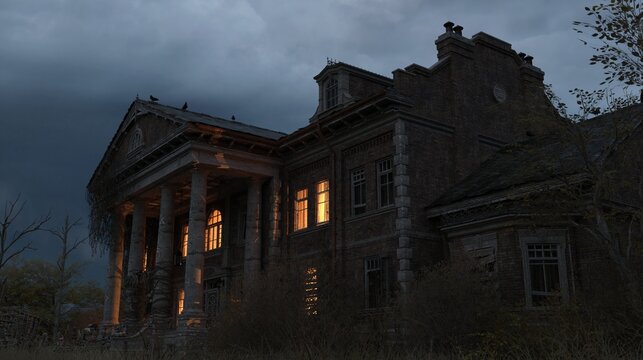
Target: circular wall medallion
[499, 93]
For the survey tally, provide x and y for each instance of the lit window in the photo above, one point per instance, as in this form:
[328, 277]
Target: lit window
[543, 273]
[311, 294]
[385, 182]
[331, 89]
[301, 209]
[358, 192]
[180, 299]
[184, 240]
[375, 282]
[145, 260]
[213, 231]
[323, 201]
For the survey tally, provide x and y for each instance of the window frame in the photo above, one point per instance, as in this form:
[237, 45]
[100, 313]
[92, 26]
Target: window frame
[557, 237]
[318, 202]
[213, 230]
[300, 209]
[390, 184]
[331, 92]
[383, 269]
[185, 231]
[355, 183]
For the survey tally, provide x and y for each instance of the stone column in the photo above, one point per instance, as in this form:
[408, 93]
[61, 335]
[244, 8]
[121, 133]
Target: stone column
[114, 274]
[403, 205]
[274, 217]
[134, 287]
[252, 261]
[162, 296]
[193, 315]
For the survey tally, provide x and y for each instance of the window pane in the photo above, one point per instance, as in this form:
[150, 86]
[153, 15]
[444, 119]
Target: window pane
[301, 209]
[323, 200]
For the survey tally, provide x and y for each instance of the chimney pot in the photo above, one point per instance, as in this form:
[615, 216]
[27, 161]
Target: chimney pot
[522, 55]
[528, 59]
[449, 26]
[458, 30]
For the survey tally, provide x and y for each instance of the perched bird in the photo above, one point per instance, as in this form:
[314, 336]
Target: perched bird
[185, 106]
[233, 118]
[153, 99]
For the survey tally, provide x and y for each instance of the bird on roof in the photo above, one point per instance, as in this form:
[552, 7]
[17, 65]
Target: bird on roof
[185, 106]
[153, 99]
[233, 118]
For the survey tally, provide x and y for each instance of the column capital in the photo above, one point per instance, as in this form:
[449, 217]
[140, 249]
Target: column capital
[197, 167]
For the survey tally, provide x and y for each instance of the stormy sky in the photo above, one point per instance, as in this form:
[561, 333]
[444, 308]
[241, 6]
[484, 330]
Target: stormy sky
[70, 68]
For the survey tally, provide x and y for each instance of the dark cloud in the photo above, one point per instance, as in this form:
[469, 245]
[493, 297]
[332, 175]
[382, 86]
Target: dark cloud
[70, 68]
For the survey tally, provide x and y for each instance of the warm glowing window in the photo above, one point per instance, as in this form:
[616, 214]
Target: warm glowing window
[358, 192]
[323, 201]
[311, 294]
[180, 299]
[385, 182]
[145, 260]
[213, 231]
[184, 240]
[332, 92]
[301, 209]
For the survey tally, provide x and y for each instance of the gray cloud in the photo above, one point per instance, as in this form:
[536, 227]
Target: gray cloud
[70, 68]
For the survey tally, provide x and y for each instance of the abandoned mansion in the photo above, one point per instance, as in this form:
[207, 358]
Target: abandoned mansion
[389, 175]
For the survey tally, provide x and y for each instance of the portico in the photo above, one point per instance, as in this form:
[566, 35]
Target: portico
[191, 185]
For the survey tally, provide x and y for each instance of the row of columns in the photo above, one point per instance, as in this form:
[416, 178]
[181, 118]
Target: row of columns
[193, 313]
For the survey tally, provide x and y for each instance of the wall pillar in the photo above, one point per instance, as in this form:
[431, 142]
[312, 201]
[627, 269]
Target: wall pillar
[162, 296]
[274, 218]
[114, 274]
[252, 261]
[403, 204]
[134, 283]
[193, 315]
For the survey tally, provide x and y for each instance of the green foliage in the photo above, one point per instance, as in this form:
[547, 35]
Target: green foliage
[617, 27]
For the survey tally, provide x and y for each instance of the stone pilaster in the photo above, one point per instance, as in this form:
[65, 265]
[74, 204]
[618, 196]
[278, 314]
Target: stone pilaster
[403, 205]
[114, 274]
[193, 315]
[134, 286]
[162, 296]
[274, 217]
[252, 261]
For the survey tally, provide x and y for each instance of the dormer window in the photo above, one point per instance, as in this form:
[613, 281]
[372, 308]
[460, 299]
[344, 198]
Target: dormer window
[331, 92]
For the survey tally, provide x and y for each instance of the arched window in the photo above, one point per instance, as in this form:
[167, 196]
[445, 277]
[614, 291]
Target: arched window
[135, 141]
[213, 231]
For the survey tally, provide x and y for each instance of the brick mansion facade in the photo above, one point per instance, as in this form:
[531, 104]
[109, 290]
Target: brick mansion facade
[376, 186]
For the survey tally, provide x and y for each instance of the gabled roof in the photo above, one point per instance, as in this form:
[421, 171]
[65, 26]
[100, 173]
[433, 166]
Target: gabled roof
[190, 116]
[538, 160]
[140, 107]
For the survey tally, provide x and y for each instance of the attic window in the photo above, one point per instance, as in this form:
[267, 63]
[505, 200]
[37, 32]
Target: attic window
[331, 92]
[135, 141]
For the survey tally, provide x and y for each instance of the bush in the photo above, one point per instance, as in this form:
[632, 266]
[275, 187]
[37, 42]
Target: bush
[452, 308]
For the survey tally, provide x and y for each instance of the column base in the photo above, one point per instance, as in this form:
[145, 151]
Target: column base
[192, 320]
[106, 329]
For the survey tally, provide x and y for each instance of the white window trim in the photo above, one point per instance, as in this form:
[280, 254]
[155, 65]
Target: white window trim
[379, 182]
[544, 236]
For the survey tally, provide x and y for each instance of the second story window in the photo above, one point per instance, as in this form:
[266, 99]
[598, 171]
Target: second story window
[184, 240]
[331, 92]
[213, 231]
[385, 183]
[358, 192]
[323, 201]
[301, 209]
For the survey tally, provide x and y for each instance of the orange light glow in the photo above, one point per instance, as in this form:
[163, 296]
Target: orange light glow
[301, 209]
[323, 201]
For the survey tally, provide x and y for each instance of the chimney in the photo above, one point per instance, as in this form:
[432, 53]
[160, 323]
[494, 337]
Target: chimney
[528, 59]
[458, 30]
[448, 26]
